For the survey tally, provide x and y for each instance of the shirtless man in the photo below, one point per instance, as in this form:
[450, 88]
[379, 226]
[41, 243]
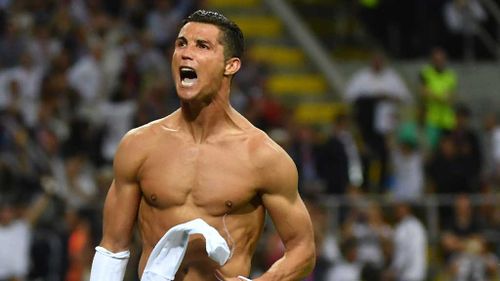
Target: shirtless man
[207, 161]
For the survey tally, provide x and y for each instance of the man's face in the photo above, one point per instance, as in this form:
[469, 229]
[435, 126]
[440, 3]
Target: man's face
[377, 63]
[400, 210]
[439, 59]
[198, 61]
[7, 215]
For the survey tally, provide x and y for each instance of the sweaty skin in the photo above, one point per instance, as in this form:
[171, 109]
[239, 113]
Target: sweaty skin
[206, 161]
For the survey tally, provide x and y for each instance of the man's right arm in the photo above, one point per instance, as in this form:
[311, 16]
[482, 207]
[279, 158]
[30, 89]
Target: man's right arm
[122, 201]
[120, 212]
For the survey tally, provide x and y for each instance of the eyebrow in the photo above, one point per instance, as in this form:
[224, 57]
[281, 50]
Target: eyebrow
[202, 41]
[198, 41]
[181, 38]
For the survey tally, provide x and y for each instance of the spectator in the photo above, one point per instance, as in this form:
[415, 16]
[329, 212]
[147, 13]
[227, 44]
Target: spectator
[468, 145]
[86, 77]
[153, 104]
[462, 226]
[118, 115]
[43, 47]
[266, 111]
[327, 252]
[11, 110]
[304, 151]
[85, 138]
[339, 163]
[28, 77]
[375, 92]
[409, 257]
[407, 162]
[473, 261]
[134, 14]
[152, 64]
[12, 44]
[383, 89]
[163, 19]
[19, 155]
[491, 146]
[416, 130]
[71, 35]
[80, 188]
[80, 250]
[465, 246]
[16, 235]
[462, 151]
[448, 172]
[14, 232]
[251, 80]
[50, 156]
[58, 102]
[438, 84]
[130, 78]
[367, 226]
[347, 269]
[492, 228]
[250, 89]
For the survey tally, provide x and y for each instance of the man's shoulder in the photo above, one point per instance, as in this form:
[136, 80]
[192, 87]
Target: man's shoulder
[412, 225]
[142, 132]
[265, 152]
[147, 133]
[19, 227]
[151, 129]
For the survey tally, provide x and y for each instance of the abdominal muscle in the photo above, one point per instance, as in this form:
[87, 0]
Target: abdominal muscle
[197, 266]
[241, 232]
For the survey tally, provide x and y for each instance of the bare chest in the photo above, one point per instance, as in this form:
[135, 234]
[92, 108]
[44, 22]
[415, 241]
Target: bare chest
[212, 177]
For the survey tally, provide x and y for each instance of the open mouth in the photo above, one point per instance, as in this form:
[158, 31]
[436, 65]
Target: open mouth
[188, 76]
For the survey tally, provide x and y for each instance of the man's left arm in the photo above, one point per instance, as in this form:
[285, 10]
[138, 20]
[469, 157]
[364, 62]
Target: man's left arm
[291, 220]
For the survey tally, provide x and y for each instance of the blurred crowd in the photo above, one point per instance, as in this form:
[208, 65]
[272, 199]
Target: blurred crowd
[386, 157]
[409, 29]
[76, 75]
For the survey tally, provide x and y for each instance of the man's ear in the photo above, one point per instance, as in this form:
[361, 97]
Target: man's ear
[232, 66]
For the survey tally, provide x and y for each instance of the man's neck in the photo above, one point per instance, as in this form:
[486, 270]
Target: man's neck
[203, 119]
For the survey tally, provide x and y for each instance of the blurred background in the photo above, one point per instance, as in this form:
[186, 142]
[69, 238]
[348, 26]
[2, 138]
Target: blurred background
[389, 109]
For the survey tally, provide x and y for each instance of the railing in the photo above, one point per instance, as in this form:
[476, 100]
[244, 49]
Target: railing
[430, 205]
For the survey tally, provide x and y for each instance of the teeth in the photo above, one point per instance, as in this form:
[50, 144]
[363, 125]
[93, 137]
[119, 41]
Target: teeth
[186, 73]
[188, 82]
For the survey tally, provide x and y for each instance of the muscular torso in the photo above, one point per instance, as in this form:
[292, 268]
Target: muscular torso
[181, 180]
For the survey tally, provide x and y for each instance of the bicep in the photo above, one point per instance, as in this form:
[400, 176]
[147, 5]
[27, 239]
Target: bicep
[286, 208]
[123, 198]
[291, 219]
[119, 215]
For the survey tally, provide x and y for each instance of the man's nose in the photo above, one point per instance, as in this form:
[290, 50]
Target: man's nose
[186, 53]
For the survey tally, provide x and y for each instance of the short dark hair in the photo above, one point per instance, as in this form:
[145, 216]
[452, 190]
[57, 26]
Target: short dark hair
[232, 37]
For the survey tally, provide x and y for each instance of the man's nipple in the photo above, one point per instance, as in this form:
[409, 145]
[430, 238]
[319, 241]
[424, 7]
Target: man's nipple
[153, 197]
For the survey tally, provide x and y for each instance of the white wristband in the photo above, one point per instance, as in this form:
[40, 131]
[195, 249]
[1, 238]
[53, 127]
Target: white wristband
[108, 266]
